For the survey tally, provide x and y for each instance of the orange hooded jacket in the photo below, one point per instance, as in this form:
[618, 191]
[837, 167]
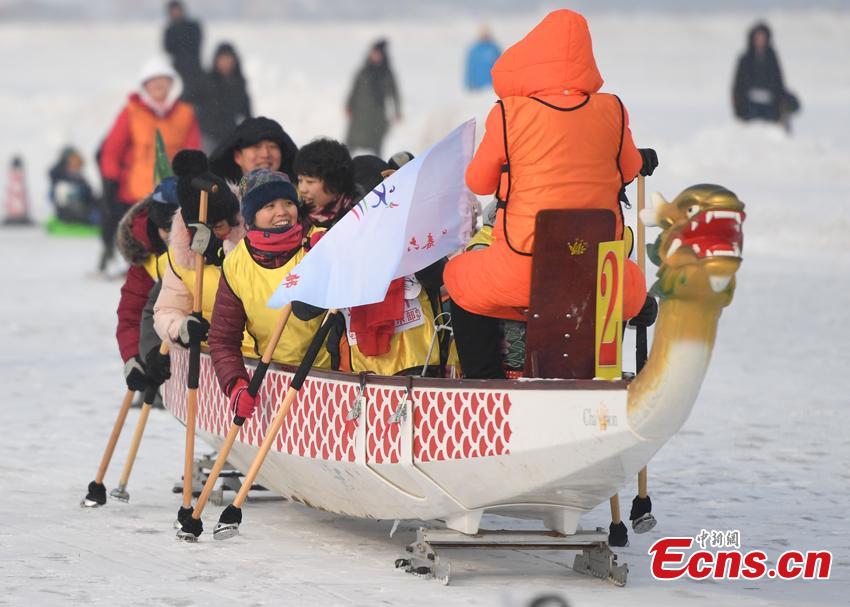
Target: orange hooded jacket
[567, 146]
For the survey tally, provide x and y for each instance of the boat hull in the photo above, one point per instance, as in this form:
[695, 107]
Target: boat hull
[429, 448]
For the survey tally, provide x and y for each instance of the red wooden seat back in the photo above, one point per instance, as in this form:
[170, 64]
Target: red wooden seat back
[562, 311]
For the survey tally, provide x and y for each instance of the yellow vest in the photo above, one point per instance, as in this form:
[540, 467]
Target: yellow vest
[482, 238]
[155, 266]
[212, 275]
[407, 348]
[253, 285]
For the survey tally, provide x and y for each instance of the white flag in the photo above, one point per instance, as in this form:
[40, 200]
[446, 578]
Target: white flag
[418, 215]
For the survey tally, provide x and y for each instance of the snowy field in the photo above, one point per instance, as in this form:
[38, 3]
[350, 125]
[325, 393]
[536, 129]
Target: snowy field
[765, 451]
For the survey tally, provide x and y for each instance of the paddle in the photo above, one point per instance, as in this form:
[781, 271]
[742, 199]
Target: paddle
[231, 517]
[120, 492]
[194, 358]
[254, 386]
[96, 495]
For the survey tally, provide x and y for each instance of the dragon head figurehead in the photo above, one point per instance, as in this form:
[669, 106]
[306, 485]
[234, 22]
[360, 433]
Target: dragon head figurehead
[699, 249]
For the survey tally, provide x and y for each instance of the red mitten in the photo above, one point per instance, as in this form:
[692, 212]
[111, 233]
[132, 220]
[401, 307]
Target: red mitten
[241, 401]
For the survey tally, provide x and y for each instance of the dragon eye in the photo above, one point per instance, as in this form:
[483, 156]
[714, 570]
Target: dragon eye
[693, 210]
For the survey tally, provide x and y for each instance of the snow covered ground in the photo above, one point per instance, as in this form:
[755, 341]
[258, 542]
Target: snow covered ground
[765, 450]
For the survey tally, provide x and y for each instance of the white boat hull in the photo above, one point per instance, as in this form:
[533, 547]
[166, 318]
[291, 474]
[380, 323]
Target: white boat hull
[547, 449]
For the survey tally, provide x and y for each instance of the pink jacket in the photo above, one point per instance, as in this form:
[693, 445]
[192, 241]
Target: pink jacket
[175, 299]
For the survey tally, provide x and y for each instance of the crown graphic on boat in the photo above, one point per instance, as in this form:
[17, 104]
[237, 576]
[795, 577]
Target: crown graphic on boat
[577, 247]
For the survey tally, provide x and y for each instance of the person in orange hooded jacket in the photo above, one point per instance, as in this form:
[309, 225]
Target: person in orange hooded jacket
[552, 141]
[128, 153]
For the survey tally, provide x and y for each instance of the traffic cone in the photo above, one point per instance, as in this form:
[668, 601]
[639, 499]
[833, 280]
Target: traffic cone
[17, 202]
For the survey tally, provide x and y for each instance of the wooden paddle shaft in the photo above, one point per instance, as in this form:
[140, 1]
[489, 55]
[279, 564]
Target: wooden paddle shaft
[198, 294]
[615, 509]
[192, 393]
[224, 452]
[216, 470]
[641, 259]
[140, 429]
[268, 439]
[134, 447]
[291, 393]
[113, 438]
[641, 229]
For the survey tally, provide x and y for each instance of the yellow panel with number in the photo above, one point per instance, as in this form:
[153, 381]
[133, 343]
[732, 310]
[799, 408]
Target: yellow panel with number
[609, 310]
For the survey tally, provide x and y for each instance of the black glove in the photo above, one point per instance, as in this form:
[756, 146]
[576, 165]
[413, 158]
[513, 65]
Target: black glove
[134, 374]
[647, 315]
[205, 243]
[304, 311]
[158, 367]
[194, 328]
[650, 161]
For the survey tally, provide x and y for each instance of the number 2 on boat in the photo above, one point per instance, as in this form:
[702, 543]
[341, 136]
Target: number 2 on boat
[609, 310]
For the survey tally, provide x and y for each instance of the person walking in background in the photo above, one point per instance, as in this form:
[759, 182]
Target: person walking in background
[128, 153]
[182, 41]
[479, 61]
[223, 102]
[758, 91]
[366, 105]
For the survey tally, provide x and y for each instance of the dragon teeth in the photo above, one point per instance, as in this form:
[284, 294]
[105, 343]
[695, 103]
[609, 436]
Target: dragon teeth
[674, 246]
[719, 283]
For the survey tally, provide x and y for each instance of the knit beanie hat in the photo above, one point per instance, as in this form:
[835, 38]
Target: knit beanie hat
[262, 186]
[222, 204]
[163, 203]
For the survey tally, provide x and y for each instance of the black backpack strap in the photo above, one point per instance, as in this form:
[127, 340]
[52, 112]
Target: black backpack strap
[502, 203]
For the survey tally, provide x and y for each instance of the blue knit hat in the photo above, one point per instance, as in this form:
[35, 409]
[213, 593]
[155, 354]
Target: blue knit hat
[262, 186]
[163, 203]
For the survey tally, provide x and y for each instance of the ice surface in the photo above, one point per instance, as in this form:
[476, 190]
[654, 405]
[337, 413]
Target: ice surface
[765, 450]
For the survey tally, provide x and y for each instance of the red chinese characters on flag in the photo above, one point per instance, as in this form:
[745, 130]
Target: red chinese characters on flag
[291, 280]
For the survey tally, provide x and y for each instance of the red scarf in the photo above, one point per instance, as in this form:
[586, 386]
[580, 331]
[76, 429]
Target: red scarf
[374, 325]
[274, 249]
[328, 215]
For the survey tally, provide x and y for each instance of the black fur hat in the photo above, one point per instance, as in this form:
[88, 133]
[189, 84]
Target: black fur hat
[187, 165]
[330, 161]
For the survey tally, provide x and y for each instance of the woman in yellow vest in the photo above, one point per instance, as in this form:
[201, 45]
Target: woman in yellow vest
[278, 236]
[222, 231]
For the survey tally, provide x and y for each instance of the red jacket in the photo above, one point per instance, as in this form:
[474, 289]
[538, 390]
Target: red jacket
[128, 152]
[138, 283]
[225, 338]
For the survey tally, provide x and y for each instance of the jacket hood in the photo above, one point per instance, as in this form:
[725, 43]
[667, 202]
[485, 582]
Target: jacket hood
[758, 27]
[249, 132]
[155, 67]
[180, 239]
[132, 237]
[554, 58]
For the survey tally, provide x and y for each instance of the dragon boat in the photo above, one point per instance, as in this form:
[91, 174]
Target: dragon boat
[453, 449]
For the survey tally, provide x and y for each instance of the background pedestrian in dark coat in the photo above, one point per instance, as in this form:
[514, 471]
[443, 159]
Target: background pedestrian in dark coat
[182, 42]
[759, 90]
[224, 101]
[366, 105]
